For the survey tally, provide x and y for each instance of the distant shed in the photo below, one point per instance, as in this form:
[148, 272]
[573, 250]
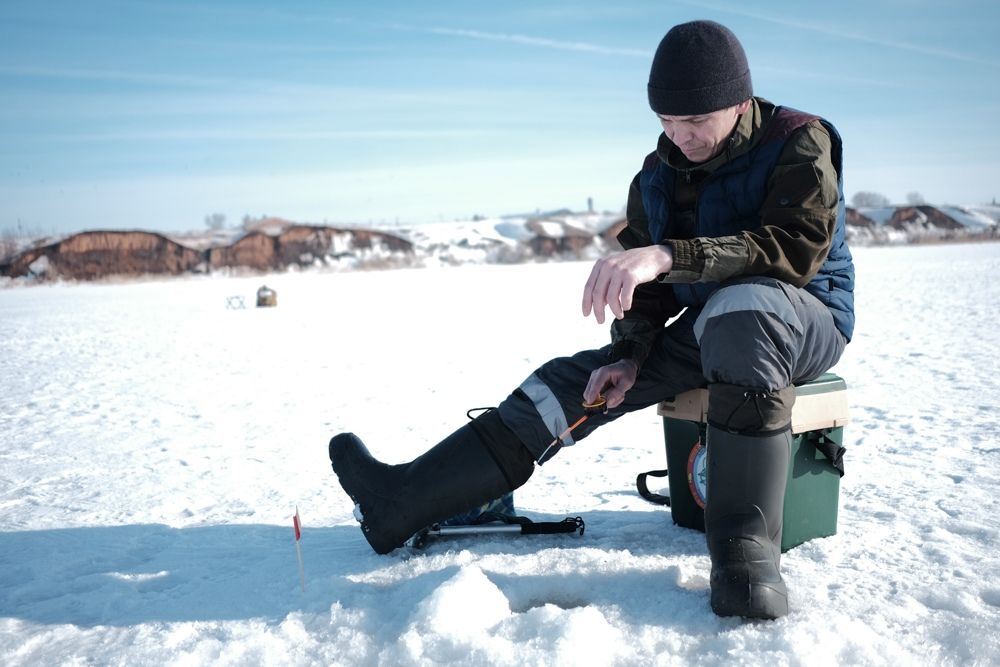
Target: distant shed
[924, 216]
[557, 237]
[856, 218]
[300, 245]
[256, 250]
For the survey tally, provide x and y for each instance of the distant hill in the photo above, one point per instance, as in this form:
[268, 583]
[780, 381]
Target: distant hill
[99, 254]
[922, 223]
[275, 244]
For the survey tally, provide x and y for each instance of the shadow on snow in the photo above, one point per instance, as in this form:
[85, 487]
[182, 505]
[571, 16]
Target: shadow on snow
[126, 575]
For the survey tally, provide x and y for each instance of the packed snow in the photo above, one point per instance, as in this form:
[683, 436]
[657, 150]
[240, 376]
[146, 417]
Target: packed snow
[154, 446]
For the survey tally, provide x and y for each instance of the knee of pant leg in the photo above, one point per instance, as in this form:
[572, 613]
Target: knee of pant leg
[521, 415]
[741, 409]
[749, 334]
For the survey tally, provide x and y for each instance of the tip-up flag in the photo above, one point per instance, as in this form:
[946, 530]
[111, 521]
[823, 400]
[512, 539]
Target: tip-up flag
[297, 525]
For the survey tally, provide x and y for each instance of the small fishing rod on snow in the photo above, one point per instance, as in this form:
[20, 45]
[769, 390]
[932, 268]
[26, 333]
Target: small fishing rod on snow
[517, 525]
[598, 406]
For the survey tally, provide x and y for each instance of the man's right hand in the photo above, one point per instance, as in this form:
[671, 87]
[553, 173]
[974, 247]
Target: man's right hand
[612, 382]
[613, 279]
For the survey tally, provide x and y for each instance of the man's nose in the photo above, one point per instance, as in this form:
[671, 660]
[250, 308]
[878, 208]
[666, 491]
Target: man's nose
[678, 134]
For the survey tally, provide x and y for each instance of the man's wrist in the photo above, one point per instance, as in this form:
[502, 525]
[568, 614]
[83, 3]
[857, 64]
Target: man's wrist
[667, 263]
[631, 362]
[627, 350]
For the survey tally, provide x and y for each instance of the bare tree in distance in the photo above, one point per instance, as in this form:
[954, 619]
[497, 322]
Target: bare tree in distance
[915, 199]
[9, 243]
[215, 221]
[14, 239]
[869, 200]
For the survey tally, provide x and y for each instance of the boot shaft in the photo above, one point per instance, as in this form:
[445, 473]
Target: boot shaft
[747, 475]
[460, 473]
[747, 471]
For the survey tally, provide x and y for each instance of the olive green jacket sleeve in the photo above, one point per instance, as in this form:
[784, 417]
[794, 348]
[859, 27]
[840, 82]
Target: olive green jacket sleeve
[797, 222]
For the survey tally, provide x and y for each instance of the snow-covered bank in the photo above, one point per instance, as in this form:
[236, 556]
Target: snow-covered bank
[153, 446]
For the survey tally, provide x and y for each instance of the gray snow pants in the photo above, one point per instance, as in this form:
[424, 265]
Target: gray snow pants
[757, 334]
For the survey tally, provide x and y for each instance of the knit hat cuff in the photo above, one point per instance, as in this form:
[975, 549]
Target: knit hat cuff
[700, 100]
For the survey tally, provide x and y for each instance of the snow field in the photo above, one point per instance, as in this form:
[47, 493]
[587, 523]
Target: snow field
[154, 445]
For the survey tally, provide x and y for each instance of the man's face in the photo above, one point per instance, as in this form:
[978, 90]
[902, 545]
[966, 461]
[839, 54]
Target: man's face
[702, 137]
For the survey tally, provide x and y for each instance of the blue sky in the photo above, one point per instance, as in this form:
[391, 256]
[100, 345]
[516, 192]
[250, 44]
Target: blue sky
[136, 114]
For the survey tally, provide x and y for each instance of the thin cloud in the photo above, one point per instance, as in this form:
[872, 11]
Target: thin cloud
[922, 49]
[147, 78]
[585, 47]
[251, 134]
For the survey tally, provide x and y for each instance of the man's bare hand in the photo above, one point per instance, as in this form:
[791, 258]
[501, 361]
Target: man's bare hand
[612, 381]
[613, 279]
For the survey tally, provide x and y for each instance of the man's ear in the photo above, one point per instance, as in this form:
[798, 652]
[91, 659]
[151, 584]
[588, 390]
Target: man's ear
[743, 107]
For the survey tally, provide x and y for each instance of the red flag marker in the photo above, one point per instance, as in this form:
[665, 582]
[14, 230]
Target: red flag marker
[297, 524]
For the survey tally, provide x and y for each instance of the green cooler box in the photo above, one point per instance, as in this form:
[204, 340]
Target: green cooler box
[813, 491]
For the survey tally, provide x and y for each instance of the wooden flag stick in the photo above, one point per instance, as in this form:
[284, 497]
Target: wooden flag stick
[298, 548]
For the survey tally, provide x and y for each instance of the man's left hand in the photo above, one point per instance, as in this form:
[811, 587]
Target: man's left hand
[613, 279]
[611, 382]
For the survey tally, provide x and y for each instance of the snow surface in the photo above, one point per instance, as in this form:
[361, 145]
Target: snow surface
[154, 446]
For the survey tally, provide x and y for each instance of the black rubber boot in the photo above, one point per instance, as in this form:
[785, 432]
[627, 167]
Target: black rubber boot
[479, 462]
[747, 475]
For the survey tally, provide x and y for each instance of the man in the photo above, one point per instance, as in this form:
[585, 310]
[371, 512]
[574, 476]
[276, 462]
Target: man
[735, 237]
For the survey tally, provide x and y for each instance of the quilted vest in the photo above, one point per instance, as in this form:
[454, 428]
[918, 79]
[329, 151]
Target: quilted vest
[729, 202]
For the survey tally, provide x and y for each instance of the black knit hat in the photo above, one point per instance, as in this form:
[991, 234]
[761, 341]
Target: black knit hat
[699, 67]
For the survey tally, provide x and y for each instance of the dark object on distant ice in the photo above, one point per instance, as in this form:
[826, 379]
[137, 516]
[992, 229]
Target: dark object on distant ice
[266, 297]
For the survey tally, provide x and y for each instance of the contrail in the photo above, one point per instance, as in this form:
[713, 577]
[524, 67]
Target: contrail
[536, 41]
[843, 34]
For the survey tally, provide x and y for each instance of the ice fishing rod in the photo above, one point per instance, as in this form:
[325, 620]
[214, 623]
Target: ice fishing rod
[514, 525]
[600, 405]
